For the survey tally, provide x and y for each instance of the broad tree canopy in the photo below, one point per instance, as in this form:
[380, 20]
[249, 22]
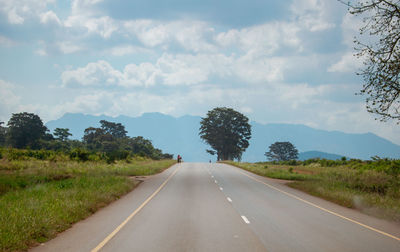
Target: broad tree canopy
[282, 151]
[25, 130]
[227, 132]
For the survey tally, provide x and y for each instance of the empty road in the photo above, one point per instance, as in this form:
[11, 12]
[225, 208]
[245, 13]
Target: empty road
[216, 207]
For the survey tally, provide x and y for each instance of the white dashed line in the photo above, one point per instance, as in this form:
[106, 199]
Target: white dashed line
[245, 219]
[221, 188]
[229, 199]
[216, 182]
[212, 176]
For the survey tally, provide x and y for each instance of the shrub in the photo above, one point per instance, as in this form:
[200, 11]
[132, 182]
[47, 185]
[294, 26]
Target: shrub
[79, 155]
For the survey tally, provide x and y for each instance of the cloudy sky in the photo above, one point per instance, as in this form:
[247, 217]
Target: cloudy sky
[288, 61]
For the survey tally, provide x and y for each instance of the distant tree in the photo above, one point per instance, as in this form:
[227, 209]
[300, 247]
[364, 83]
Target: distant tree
[116, 130]
[227, 132]
[25, 130]
[282, 151]
[62, 134]
[111, 139]
[379, 46]
[94, 137]
[142, 146]
[2, 134]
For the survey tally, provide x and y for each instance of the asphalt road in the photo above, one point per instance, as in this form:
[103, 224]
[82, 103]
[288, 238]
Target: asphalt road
[216, 207]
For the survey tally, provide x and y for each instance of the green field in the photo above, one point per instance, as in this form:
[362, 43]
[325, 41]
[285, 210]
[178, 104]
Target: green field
[40, 198]
[372, 187]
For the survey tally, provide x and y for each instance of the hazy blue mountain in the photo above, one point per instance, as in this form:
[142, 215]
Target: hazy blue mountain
[180, 136]
[318, 154]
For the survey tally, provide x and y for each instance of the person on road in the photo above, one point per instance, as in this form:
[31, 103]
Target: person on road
[179, 158]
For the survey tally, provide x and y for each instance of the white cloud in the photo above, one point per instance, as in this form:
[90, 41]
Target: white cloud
[19, 10]
[104, 26]
[49, 17]
[68, 47]
[261, 70]
[351, 26]
[184, 69]
[9, 101]
[123, 50]
[263, 39]
[94, 74]
[312, 14]
[41, 52]
[149, 32]
[4, 41]
[144, 74]
[85, 15]
[191, 35]
[349, 63]
[14, 18]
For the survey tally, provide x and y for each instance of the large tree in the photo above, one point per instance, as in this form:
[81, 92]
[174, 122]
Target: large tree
[116, 130]
[282, 151]
[107, 138]
[227, 132]
[25, 130]
[379, 46]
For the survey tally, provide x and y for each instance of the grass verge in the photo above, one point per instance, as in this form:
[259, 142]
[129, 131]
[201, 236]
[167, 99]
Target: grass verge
[39, 199]
[374, 192]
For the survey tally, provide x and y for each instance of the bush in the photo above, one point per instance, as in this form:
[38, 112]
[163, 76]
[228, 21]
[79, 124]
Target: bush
[79, 155]
[292, 162]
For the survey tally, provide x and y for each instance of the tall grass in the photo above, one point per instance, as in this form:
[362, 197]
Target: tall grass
[39, 198]
[272, 171]
[371, 187]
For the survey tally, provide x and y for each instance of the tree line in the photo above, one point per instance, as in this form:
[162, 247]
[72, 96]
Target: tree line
[27, 131]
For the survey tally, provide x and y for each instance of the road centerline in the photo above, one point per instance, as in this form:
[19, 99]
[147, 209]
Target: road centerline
[245, 219]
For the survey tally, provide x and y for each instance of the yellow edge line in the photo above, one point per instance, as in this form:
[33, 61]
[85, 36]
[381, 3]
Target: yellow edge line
[321, 208]
[113, 233]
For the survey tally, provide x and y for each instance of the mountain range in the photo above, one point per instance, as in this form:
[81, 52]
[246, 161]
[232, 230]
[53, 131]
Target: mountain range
[179, 135]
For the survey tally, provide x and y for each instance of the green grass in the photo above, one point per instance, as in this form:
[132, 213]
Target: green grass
[370, 188]
[39, 199]
[274, 171]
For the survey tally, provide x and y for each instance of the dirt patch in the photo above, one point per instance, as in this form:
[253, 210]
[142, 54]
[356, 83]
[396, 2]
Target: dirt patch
[282, 181]
[303, 172]
[139, 178]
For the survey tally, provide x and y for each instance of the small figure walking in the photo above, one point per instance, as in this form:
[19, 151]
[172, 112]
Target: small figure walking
[179, 158]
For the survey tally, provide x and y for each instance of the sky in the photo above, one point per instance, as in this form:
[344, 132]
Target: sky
[288, 61]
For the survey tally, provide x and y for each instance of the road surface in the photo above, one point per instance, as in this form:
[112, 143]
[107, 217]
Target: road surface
[216, 207]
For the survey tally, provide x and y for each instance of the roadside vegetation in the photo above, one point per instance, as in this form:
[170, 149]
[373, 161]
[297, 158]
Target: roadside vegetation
[44, 192]
[373, 187]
